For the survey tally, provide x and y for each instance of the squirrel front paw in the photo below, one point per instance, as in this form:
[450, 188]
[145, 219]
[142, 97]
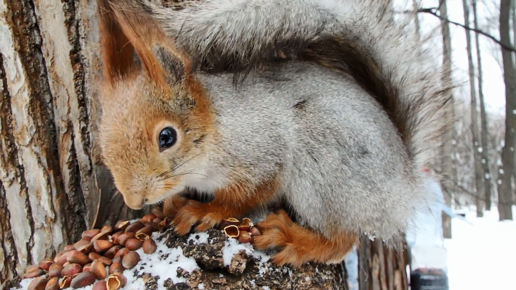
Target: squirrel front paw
[206, 214]
[299, 245]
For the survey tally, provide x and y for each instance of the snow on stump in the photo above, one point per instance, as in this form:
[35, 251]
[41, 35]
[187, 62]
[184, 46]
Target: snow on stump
[210, 260]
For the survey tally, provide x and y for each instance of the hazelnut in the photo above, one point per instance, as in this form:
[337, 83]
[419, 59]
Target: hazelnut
[122, 239]
[82, 280]
[94, 256]
[45, 264]
[154, 226]
[148, 217]
[244, 237]
[130, 260]
[232, 231]
[100, 236]
[90, 233]
[116, 267]
[79, 244]
[71, 270]
[105, 260]
[133, 244]
[228, 222]
[61, 258]
[149, 246]
[134, 227]
[52, 284]
[121, 225]
[110, 254]
[107, 229]
[55, 270]
[115, 236]
[121, 253]
[98, 269]
[100, 285]
[245, 225]
[85, 248]
[32, 268]
[77, 257]
[115, 281]
[34, 273]
[86, 267]
[38, 284]
[65, 282]
[101, 246]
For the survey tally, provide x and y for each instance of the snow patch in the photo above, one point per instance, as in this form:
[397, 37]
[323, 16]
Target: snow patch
[198, 238]
[483, 249]
[231, 248]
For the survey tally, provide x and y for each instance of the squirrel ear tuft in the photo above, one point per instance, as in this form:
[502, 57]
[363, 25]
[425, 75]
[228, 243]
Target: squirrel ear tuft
[172, 63]
[161, 61]
[117, 52]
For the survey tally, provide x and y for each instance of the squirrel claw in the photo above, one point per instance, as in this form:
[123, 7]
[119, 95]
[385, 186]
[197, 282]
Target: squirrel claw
[195, 212]
[298, 244]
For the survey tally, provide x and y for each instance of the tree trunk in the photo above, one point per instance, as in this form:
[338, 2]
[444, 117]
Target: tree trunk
[477, 148]
[509, 74]
[53, 184]
[381, 267]
[483, 118]
[513, 20]
[447, 169]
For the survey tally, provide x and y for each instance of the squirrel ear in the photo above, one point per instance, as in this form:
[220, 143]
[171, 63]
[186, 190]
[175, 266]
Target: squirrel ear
[117, 52]
[161, 61]
[172, 63]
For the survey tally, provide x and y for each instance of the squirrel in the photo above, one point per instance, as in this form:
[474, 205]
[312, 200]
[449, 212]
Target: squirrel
[337, 111]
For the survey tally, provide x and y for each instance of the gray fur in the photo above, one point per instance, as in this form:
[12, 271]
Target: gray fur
[343, 166]
[374, 195]
[333, 143]
[235, 34]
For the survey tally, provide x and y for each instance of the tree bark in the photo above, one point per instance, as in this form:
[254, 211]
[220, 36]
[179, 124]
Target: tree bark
[483, 117]
[509, 73]
[381, 267]
[477, 148]
[448, 178]
[52, 182]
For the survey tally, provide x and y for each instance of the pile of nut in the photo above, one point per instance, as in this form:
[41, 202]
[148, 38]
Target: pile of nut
[100, 256]
[241, 230]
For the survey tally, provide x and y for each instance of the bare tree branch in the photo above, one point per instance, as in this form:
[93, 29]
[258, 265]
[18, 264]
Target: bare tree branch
[433, 11]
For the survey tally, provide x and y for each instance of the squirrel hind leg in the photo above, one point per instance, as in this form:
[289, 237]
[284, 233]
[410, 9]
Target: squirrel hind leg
[298, 245]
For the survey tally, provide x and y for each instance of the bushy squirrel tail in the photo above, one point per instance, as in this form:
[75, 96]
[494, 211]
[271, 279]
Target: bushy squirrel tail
[360, 37]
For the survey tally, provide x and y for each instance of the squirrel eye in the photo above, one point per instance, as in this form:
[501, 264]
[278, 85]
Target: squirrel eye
[167, 138]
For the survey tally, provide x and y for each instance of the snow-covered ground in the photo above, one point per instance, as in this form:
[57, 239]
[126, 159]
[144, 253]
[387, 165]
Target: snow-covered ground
[482, 256]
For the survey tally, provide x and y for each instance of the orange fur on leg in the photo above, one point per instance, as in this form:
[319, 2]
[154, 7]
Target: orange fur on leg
[173, 204]
[234, 202]
[299, 244]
